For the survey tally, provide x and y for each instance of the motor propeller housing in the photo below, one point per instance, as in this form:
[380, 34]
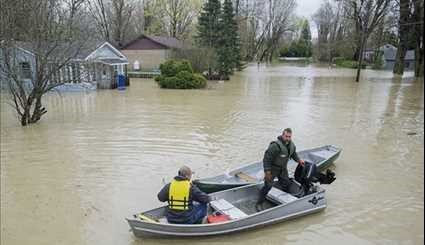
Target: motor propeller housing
[308, 174]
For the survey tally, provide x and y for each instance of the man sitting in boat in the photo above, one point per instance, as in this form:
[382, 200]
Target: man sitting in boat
[180, 195]
[275, 163]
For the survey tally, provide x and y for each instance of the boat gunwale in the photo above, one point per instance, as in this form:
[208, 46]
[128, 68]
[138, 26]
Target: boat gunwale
[245, 227]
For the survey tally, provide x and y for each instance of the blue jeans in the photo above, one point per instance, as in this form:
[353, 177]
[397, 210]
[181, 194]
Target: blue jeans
[192, 216]
[198, 213]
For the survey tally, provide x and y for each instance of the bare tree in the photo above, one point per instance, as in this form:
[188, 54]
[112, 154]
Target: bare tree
[152, 14]
[324, 19]
[122, 12]
[101, 14]
[277, 20]
[139, 17]
[178, 17]
[173, 18]
[367, 15]
[113, 19]
[54, 36]
[249, 26]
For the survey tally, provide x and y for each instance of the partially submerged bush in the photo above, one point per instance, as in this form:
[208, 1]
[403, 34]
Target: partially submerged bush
[179, 75]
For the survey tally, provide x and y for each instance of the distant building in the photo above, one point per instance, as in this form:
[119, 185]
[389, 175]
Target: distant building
[389, 57]
[148, 52]
[99, 62]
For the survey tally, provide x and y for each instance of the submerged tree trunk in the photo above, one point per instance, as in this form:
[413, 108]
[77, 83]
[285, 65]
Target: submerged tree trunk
[360, 58]
[399, 62]
[419, 32]
[419, 61]
[38, 110]
[403, 36]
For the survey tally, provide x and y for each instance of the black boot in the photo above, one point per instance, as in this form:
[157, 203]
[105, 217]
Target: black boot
[260, 201]
[261, 198]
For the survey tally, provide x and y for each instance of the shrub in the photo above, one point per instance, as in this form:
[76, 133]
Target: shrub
[184, 65]
[179, 75]
[378, 60]
[200, 80]
[169, 68]
[159, 78]
[169, 82]
[300, 48]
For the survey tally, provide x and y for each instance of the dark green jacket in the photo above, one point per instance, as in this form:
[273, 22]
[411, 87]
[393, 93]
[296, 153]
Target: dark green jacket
[278, 154]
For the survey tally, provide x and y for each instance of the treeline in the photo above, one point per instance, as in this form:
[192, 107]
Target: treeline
[346, 28]
[265, 29]
[301, 46]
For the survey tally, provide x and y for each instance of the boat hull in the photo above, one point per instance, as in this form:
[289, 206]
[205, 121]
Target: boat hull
[308, 204]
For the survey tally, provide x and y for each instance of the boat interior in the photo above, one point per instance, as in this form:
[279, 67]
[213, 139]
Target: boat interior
[252, 173]
[235, 203]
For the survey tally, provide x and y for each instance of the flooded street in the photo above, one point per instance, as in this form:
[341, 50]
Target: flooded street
[97, 157]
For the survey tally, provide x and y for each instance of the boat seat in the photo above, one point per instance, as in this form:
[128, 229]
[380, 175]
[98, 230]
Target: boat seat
[224, 207]
[245, 177]
[280, 197]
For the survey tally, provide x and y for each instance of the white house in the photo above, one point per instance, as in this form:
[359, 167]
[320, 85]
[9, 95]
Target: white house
[101, 62]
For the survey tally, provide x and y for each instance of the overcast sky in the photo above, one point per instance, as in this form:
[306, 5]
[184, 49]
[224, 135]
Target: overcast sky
[306, 8]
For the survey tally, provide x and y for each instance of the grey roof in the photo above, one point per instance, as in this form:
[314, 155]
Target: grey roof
[88, 48]
[78, 50]
[168, 42]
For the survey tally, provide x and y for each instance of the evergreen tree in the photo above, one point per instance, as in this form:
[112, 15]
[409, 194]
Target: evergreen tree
[208, 36]
[305, 40]
[228, 52]
[306, 33]
[209, 24]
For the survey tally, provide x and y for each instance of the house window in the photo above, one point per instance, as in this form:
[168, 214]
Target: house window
[25, 70]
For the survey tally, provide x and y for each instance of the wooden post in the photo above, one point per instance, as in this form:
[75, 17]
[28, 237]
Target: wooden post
[60, 75]
[95, 78]
[67, 73]
[113, 80]
[82, 72]
[127, 79]
[78, 72]
[71, 72]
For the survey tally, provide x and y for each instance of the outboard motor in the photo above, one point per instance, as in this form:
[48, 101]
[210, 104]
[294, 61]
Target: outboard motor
[308, 174]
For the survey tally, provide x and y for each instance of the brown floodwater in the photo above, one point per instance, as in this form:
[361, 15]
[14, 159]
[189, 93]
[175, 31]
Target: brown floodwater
[97, 157]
